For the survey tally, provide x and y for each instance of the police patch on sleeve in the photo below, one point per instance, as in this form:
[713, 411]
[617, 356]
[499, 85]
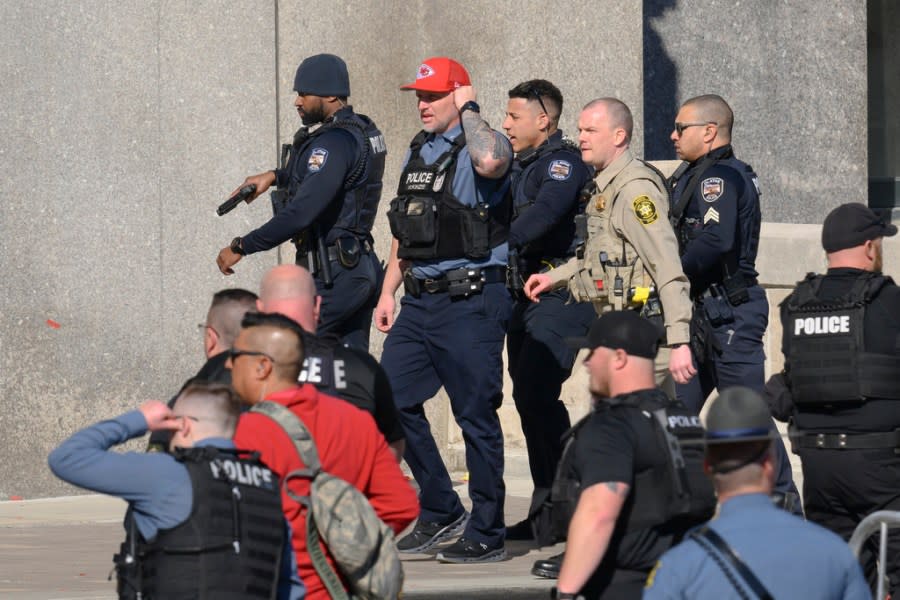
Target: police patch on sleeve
[712, 188]
[317, 159]
[645, 210]
[560, 170]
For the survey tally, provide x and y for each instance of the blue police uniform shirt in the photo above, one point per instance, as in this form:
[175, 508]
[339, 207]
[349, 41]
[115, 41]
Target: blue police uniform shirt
[792, 558]
[549, 187]
[321, 170]
[470, 188]
[726, 214]
[161, 497]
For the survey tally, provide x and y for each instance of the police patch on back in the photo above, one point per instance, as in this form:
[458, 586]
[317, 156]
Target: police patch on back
[712, 188]
[560, 170]
[317, 159]
[645, 210]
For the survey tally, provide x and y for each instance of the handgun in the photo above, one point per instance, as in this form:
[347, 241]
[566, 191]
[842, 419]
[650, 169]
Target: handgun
[229, 205]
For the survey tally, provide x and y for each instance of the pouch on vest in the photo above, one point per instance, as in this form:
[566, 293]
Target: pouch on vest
[361, 544]
[413, 221]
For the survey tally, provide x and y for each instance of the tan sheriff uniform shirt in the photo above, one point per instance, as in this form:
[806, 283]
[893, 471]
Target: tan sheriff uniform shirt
[628, 220]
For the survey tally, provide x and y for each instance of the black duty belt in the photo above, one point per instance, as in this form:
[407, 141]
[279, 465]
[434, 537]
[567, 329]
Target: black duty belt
[333, 252]
[458, 282]
[846, 441]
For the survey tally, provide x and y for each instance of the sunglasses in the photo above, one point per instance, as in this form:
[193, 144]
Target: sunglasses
[234, 353]
[537, 96]
[680, 127]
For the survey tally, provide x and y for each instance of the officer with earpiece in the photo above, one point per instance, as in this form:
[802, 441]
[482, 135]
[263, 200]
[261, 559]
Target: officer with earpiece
[841, 381]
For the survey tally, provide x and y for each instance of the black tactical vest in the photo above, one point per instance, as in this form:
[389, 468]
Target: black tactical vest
[355, 214]
[677, 488]
[430, 223]
[230, 546]
[828, 362]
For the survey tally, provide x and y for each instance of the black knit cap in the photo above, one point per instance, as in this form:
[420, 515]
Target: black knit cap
[853, 224]
[738, 415]
[623, 329]
[322, 75]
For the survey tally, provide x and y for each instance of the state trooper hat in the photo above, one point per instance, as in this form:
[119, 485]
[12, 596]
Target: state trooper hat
[739, 414]
[623, 329]
[322, 75]
[439, 74]
[853, 224]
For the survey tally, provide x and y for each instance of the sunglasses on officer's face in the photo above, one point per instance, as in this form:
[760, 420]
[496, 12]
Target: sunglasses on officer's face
[680, 127]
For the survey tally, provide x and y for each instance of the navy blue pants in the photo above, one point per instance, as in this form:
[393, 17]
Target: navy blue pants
[458, 344]
[347, 305]
[741, 362]
[540, 361]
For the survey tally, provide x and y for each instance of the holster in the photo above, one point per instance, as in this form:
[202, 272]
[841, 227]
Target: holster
[411, 285]
[702, 335]
[349, 250]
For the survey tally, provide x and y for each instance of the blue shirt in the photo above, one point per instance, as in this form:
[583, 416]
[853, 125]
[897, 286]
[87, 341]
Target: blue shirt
[791, 557]
[470, 188]
[156, 486]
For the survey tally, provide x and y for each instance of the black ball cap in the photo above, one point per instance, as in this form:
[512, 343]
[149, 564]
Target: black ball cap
[853, 224]
[623, 329]
[739, 414]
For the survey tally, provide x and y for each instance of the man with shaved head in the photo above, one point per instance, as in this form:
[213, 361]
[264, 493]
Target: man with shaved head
[334, 367]
[628, 255]
[265, 362]
[175, 547]
[716, 215]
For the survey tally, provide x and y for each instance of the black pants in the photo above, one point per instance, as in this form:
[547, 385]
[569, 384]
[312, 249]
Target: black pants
[842, 487]
[539, 364]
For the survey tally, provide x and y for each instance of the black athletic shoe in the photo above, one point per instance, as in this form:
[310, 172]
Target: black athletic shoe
[426, 534]
[548, 567]
[467, 551]
[520, 532]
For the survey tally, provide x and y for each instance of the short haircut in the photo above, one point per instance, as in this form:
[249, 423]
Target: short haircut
[714, 109]
[283, 369]
[737, 464]
[215, 406]
[226, 311]
[548, 93]
[617, 112]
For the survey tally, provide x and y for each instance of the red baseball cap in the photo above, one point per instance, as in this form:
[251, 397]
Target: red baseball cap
[439, 74]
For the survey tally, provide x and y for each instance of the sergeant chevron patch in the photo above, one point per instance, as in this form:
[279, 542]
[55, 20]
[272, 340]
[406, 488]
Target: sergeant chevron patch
[711, 215]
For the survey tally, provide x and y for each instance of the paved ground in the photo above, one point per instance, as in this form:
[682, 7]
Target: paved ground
[61, 549]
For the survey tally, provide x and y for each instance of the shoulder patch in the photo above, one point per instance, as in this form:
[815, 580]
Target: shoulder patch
[711, 215]
[645, 210]
[712, 188]
[560, 170]
[317, 159]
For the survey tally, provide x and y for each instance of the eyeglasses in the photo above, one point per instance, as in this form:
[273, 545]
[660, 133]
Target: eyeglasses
[537, 96]
[234, 353]
[680, 127]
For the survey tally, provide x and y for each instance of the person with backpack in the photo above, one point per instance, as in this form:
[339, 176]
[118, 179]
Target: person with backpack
[752, 549]
[629, 484]
[265, 362]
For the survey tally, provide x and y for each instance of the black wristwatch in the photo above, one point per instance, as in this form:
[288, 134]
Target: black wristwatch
[470, 105]
[236, 246]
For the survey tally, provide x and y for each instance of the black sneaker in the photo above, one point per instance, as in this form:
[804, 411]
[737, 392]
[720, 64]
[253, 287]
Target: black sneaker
[427, 534]
[520, 532]
[467, 551]
[548, 567]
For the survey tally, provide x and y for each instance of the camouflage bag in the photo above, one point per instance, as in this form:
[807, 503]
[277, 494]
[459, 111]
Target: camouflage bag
[361, 544]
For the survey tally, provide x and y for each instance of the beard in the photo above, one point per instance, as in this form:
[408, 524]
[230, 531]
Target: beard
[313, 115]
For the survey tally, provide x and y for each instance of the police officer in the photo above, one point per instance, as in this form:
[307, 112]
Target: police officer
[629, 258]
[752, 549]
[546, 180]
[333, 182]
[334, 368]
[635, 482]
[841, 344]
[450, 223]
[716, 214]
[203, 521]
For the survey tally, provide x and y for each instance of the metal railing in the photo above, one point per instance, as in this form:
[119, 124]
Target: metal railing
[880, 521]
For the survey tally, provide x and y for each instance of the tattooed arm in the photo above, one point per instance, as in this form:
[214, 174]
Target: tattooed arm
[490, 150]
[590, 531]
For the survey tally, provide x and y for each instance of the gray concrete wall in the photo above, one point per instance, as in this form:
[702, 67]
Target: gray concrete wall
[126, 124]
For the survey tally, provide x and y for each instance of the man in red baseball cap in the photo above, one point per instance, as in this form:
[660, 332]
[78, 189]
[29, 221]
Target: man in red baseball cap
[450, 221]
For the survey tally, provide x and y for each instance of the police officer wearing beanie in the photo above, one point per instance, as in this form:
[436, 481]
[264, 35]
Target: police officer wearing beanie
[546, 180]
[450, 222]
[752, 549]
[333, 178]
[841, 381]
[632, 470]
